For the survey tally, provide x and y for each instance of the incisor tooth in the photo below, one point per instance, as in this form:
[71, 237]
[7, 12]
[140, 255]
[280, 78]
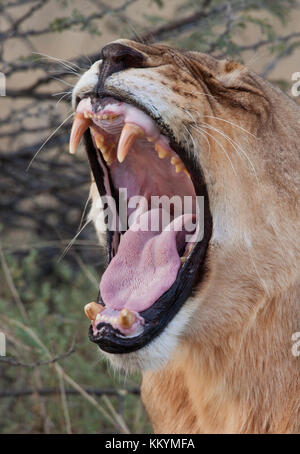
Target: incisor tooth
[129, 134]
[92, 310]
[127, 318]
[80, 125]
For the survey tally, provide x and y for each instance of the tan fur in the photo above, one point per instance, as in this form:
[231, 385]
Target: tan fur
[232, 370]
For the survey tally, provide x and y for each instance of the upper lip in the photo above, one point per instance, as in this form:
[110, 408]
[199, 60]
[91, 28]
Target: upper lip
[163, 310]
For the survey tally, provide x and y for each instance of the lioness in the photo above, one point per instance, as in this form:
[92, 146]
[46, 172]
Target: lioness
[210, 322]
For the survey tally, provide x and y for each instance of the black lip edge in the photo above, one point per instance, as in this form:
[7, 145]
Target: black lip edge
[192, 273]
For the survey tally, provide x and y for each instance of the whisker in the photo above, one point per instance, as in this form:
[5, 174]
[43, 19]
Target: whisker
[47, 140]
[61, 93]
[65, 63]
[63, 81]
[220, 144]
[235, 145]
[233, 124]
[62, 97]
[203, 135]
[84, 211]
[68, 247]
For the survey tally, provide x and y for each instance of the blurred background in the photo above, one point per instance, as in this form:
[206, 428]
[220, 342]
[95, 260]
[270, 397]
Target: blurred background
[52, 379]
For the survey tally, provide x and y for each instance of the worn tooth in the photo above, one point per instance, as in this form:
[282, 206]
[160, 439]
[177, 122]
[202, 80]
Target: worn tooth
[127, 318]
[92, 310]
[86, 114]
[179, 167]
[150, 139]
[109, 160]
[100, 140]
[130, 133]
[107, 153]
[112, 117]
[80, 125]
[161, 151]
[190, 249]
[182, 259]
[175, 161]
[187, 173]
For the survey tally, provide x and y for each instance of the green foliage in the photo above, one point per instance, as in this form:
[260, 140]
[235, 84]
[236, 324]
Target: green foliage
[54, 303]
[219, 32]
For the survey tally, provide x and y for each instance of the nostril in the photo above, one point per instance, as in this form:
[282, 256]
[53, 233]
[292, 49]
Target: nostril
[117, 57]
[122, 56]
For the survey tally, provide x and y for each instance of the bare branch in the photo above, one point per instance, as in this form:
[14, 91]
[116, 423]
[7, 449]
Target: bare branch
[71, 392]
[14, 362]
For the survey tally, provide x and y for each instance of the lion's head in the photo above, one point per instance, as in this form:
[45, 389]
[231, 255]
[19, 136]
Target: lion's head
[159, 121]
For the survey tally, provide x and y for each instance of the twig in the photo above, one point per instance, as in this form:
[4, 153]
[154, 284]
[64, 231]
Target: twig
[70, 391]
[12, 286]
[14, 362]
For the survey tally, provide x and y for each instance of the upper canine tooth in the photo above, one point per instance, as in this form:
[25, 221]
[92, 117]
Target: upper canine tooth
[80, 125]
[92, 310]
[129, 134]
[127, 318]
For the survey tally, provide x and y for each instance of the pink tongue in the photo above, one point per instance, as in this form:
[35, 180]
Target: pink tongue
[145, 266]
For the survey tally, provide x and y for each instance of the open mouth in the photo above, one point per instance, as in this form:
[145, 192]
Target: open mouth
[157, 245]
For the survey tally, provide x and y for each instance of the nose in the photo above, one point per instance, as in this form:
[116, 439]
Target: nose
[117, 57]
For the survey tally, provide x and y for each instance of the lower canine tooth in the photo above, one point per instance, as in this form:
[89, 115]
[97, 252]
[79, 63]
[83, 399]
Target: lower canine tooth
[127, 318]
[92, 310]
[129, 134]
